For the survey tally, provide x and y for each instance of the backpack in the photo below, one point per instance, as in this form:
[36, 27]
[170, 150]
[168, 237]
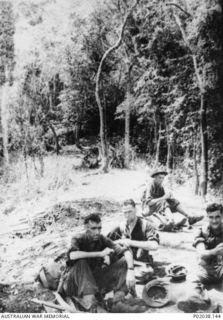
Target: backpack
[49, 275]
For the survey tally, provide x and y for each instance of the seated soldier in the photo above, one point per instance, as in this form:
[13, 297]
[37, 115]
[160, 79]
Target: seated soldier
[161, 205]
[136, 233]
[88, 278]
[209, 245]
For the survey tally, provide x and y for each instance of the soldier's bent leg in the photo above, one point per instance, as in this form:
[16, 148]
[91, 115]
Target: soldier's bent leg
[113, 277]
[207, 276]
[179, 219]
[143, 273]
[80, 281]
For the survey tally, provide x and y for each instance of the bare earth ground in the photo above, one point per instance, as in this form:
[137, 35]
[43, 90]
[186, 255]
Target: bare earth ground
[35, 229]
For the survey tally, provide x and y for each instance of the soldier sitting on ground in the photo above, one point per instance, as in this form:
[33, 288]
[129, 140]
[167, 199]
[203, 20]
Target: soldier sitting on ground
[160, 206]
[208, 242]
[88, 278]
[137, 234]
[209, 245]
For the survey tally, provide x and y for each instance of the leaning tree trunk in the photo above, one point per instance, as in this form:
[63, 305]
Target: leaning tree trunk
[103, 125]
[204, 147]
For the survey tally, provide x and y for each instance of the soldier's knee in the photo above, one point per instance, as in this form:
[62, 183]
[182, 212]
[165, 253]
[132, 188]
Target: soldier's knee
[81, 264]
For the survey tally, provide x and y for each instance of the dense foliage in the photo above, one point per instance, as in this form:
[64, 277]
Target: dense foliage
[154, 74]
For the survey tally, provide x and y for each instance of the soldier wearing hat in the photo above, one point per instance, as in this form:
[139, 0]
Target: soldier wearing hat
[161, 205]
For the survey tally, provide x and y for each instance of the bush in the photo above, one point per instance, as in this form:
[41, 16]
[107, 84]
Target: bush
[117, 154]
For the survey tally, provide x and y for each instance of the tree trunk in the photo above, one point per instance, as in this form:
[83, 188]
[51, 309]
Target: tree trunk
[169, 158]
[156, 134]
[42, 165]
[52, 92]
[50, 101]
[196, 173]
[203, 113]
[103, 125]
[55, 138]
[77, 134]
[169, 161]
[158, 147]
[127, 118]
[103, 129]
[25, 161]
[127, 135]
[204, 147]
[4, 121]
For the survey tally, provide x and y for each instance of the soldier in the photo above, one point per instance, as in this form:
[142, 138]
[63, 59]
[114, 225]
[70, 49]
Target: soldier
[87, 276]
[137, 234]
[160, 204]
[209, 245]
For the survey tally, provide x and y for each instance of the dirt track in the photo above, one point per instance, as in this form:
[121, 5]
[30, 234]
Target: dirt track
[102, 193]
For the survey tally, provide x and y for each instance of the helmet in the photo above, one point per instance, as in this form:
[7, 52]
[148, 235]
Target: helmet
[177, 272]
[156, 172]
[156, 293]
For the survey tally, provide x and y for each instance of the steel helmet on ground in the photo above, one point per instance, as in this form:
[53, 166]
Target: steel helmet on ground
[156, 293]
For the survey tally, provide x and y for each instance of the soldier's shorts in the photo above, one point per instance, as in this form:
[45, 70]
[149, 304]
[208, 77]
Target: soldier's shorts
[160, 206]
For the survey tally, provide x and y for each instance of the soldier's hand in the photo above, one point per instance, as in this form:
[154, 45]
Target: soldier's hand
[106, 252]
[130, 280]
[107, 260]
[125, 242]
[219, 249]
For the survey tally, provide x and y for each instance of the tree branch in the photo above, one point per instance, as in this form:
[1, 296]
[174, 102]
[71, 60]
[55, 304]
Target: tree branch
[179, 7]
[179, 58]
[199, 78]
[118, 43]
[97, 96]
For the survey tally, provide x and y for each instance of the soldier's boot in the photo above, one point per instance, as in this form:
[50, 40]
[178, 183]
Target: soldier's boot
[124, 307]
[198, 300]
[195, 219]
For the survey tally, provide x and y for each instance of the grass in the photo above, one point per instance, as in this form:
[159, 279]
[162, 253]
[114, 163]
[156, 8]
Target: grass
[26, 181]
[23, 183]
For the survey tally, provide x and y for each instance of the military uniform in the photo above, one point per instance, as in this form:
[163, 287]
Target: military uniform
[90, 276]
[155, 191]
[142, 231]
[210, 269]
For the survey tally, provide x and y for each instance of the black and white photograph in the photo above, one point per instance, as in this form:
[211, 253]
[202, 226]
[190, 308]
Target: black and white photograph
[111, 158]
